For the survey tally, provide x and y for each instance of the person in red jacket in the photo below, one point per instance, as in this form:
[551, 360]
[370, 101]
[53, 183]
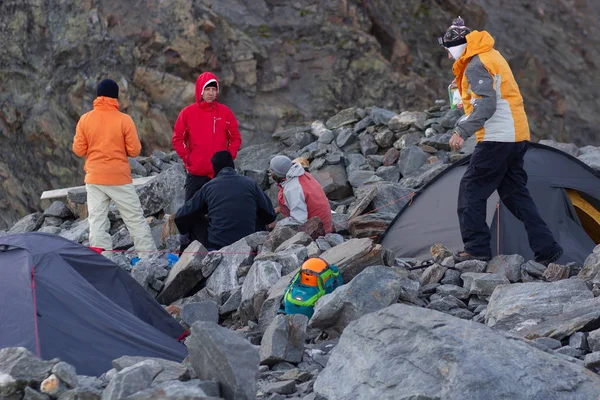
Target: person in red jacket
[301, 196]
[203, 129]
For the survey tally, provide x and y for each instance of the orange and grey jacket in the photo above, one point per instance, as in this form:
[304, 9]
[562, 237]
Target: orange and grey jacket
[491, 98]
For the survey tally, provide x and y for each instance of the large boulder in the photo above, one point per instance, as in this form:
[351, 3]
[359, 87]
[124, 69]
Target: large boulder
[513, 304]
[225, 278]
[164, 189]
[406, 352]
[28, 223]
[219, 354]
[334, 181]
[262, 276]
[388, 197]
[20, 368]
[283, 341]
[184, 275]
[373, 289]
[131, 380]
[355, 255]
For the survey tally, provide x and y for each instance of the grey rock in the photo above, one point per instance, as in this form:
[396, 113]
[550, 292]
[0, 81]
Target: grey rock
[150, 268]
[389, 197]
[269, 309]
[453, 290]
[471, 266]
[451, 277]
[222, 355]
[578, 341]
[334, 239]
[509, 265]
[290, 259]
[122, 239]
[318, 129]
[334, 181]
[224, 280]
[323, 244]
[368, 146]
[363, 124]
[409, 292]
[201, 311]
[175, 390]
[424, 175]
[485, 285]
[469, 277]
[550, 343]
[58, 209]
[568, 148]
[283, 341]
[407, 140]
[346, 137]
[384, 138]
[433, 274]
[358, 178]
[513, 304]
[160, 192]
[77, 195]
[30, 394]
[185, 274]
[446, 304]
[66, 373]
[300, 238]
[425, 342]
[593, 340]
[391, 173]
[533, 269]
[233, 302]
[52, 222]
[406, 119]
[591, 266]
[475, 303]
[262, 275]
[570, 351]
[580, 315]
[79, 232]
[136, 167]
[261, 177]
[373, 289]
[20, 368]
[131, 380]
[28, 223]
[592, 360]
[556, 272]
[381, 116]
[171, 370]
[53, 230]
[439, 142]
[333, 158]
[313, 250]
[281, 387]
[450, 119]
[411, 160]
[344, 117]
[354, 256]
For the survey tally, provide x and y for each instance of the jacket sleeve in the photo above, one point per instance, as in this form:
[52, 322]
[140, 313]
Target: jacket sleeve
[190, 211]
[266, 212]
[296, 202]
[235, 138]
[132, 141]
[80, 144]
[179, 139]
[483, 98]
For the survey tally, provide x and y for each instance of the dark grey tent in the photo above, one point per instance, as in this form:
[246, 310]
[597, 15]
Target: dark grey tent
[566, 191]
[61, 299]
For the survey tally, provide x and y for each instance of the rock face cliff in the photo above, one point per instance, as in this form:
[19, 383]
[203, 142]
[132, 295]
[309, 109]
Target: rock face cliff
[280, 64]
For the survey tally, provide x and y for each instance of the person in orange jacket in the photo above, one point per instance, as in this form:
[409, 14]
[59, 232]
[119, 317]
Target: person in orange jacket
[106, 137]
[495, 114]
[201, 130]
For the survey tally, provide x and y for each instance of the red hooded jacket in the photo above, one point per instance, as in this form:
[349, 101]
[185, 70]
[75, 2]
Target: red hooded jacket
[202, 129]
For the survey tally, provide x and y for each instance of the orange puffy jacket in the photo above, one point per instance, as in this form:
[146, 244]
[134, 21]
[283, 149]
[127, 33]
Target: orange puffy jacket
[106, 137]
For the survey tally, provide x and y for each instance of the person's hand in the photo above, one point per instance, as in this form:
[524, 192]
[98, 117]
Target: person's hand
[277, 210]
[456, 142]
[271, 226]
[453, 84]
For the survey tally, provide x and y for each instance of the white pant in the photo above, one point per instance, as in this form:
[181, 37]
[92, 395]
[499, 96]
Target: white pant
[128, 204]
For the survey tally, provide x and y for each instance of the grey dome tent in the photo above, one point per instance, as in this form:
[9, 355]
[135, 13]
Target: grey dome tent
[565, 190]
[61, 299]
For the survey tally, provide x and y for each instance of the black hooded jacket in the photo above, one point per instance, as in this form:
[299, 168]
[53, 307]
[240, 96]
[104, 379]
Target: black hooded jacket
[235, 205]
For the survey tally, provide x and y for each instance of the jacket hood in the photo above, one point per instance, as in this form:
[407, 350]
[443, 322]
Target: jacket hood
[478, 42]
[105, 103]
[295, 171]
[204, 79]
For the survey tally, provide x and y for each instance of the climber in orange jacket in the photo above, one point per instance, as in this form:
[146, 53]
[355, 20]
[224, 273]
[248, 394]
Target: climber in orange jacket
[106, 137]
[495, 114]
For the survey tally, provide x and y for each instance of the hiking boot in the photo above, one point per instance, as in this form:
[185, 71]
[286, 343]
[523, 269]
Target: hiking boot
[466, 256]
[545, 261]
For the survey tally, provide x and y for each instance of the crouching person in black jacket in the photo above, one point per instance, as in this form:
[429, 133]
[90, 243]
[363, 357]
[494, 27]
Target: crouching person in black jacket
[234, 204]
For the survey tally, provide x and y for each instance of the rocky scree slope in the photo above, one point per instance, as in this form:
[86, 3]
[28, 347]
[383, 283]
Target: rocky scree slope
[279, 63]
[448, 330]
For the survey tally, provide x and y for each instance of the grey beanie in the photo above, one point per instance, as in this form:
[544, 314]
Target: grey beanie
[280, 165]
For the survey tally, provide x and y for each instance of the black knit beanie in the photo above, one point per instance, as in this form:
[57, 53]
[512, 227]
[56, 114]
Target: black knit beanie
[108, 88]
[220, 160]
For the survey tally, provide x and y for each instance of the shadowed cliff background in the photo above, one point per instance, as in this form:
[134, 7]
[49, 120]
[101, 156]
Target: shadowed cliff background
[280, 63]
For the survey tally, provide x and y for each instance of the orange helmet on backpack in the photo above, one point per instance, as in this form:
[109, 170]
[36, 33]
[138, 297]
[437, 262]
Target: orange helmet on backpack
[311, 269]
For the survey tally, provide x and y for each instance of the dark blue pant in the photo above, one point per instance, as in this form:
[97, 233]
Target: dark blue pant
[499, 166]
[193, 183]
